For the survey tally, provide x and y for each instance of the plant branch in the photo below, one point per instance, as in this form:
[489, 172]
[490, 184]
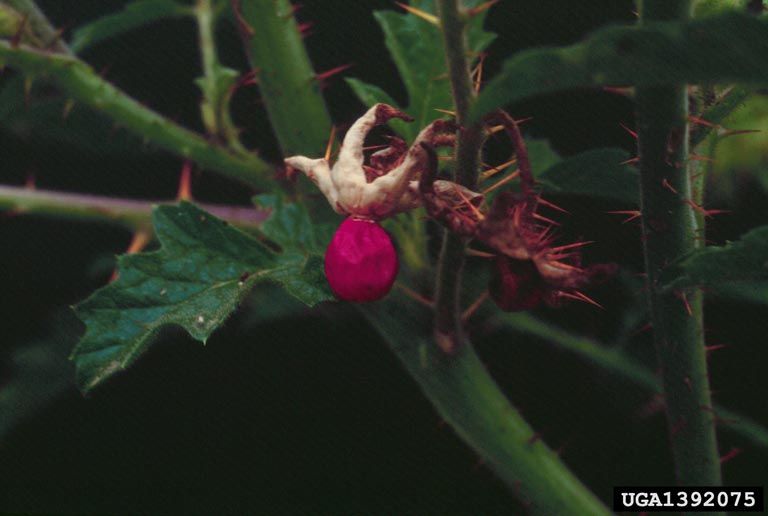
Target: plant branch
[616, 362]
[132, 214]
[288, 85]
[38, 22]
[84, 85]
[217, 82]
[669, 232]
[468, 399]
[467, 164]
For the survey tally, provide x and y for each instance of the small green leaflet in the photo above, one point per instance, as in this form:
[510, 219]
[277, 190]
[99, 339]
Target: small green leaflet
[417, 50]
[745, 259]
[725, 48]
[199, 276]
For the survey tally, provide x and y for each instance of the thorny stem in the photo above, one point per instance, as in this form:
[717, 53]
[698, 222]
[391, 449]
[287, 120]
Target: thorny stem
[289, 87]
[133, 214]
[40, 25]
[669, 232]
[613, 360]
[84, 85]
[458, 385]
[467, 165]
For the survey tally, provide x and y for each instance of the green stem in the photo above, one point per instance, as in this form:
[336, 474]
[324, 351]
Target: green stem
[134, 215]
[288, 85]
[84, 85]
[205, 23]
[215, 83]
[468, 399]
[670, 231]
[615, 361]
[41, 27]
[467, 165]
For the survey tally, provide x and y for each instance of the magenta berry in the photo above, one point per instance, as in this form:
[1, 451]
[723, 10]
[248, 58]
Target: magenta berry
[360, 263]
[515, 285]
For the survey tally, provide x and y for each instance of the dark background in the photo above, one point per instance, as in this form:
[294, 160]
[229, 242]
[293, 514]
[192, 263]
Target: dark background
[311, 413]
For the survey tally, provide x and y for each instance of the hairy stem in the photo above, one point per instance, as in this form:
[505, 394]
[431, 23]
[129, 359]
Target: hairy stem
[618, 363]
[670, 231]
[133, 214]
[467, 165]
[288, 85]
[78, 80]
[468, 399]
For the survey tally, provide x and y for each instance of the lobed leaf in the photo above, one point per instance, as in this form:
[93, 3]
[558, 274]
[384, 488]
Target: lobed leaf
[731, 47]
[198, 277]
[743, 260]
[416, 48]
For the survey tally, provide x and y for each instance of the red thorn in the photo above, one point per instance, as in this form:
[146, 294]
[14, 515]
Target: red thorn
[668, 186]
[245, 29]
[184, 193]
[587, 299]
[536, 437]
[741, 131]
[545, 219]
[642, 329]
[688, 383]
[630, 131]
[482, 7]
[694, 157]
[697, 208]
[553, 206]
[714, 347]
[305, 28]
[322, 76]
[617, 91]
[701, 121]
[678, 426]
[732, 453]
[29, 182]
[630, 161]
[571, 246]
[633, 214]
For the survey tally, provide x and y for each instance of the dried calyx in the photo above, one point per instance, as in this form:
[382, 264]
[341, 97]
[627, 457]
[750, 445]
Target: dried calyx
[529, 268]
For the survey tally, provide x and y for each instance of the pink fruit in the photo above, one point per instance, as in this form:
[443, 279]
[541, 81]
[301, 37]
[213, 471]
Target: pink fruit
[360, 263]
[515, 285]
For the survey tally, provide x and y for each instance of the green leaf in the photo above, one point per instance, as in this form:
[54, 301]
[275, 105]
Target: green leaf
[744, 260]
[198, 277]
[595, 173]
[732, 47]
[135, 15]
[416, 48]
